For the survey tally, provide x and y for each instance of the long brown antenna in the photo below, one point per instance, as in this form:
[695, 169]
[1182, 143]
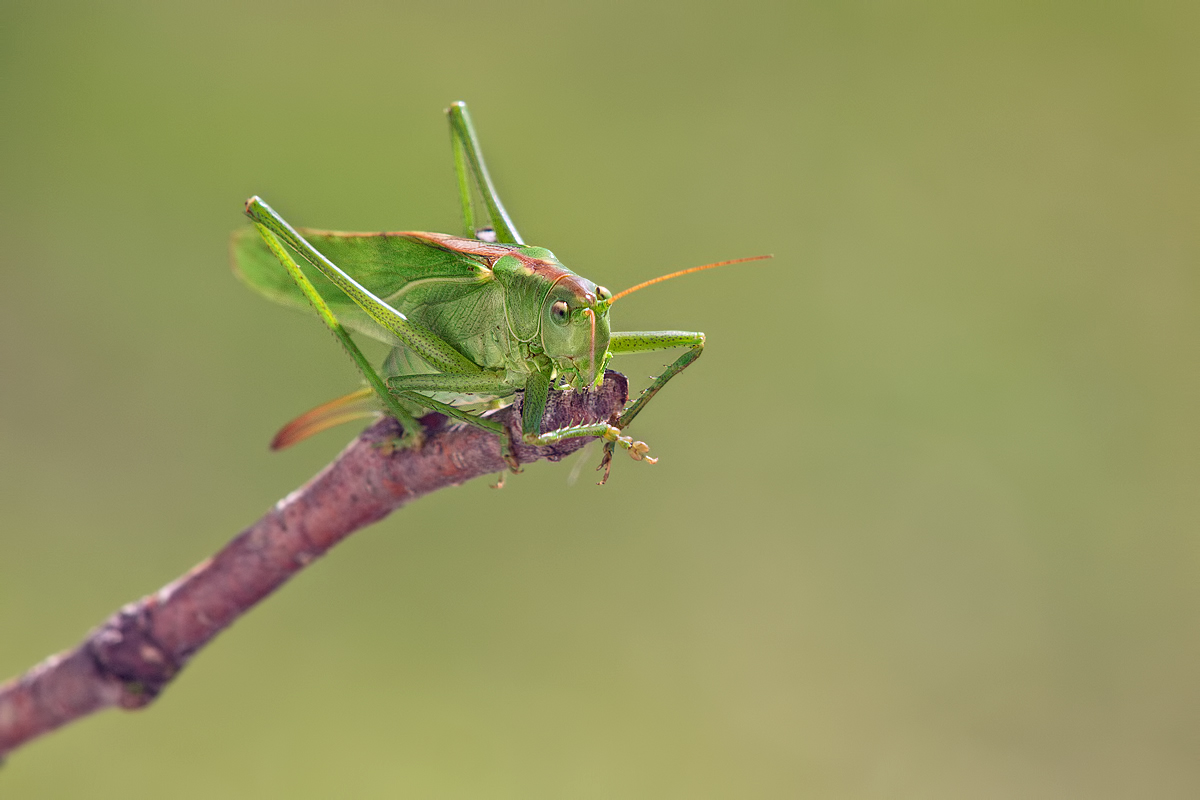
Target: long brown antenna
[662, 278]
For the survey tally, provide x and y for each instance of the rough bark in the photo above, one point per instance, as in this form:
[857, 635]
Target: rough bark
[134, 655]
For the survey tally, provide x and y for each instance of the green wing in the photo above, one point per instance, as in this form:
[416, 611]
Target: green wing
[396, 267]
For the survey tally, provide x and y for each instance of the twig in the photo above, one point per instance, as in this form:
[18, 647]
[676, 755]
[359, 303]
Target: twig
[130, 659]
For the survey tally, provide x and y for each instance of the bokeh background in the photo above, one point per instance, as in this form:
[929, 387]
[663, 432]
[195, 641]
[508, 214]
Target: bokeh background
[925, 523]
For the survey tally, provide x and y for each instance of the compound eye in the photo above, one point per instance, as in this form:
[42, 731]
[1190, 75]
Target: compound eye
[559, 312]
[603, 294]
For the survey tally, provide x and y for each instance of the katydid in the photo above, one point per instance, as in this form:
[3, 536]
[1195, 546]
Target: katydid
[471, 320]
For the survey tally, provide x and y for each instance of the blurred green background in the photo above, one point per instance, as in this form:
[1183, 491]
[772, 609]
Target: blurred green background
[925, 523]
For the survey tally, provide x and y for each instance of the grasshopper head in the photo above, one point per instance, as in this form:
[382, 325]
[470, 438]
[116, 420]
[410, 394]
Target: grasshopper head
[574, 323]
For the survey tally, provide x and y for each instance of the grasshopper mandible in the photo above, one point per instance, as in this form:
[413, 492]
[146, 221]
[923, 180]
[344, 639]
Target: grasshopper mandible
[471, 320]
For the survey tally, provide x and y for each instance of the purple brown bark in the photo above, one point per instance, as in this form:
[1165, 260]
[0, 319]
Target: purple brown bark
[131, 658]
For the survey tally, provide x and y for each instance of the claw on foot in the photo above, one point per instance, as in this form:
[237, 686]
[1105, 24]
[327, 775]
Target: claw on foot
[637, 450]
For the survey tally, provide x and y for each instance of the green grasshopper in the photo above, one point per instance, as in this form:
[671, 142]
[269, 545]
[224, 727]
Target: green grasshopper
[471, 320]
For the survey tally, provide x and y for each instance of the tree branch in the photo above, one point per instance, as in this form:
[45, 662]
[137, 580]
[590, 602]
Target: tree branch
[130, 659]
